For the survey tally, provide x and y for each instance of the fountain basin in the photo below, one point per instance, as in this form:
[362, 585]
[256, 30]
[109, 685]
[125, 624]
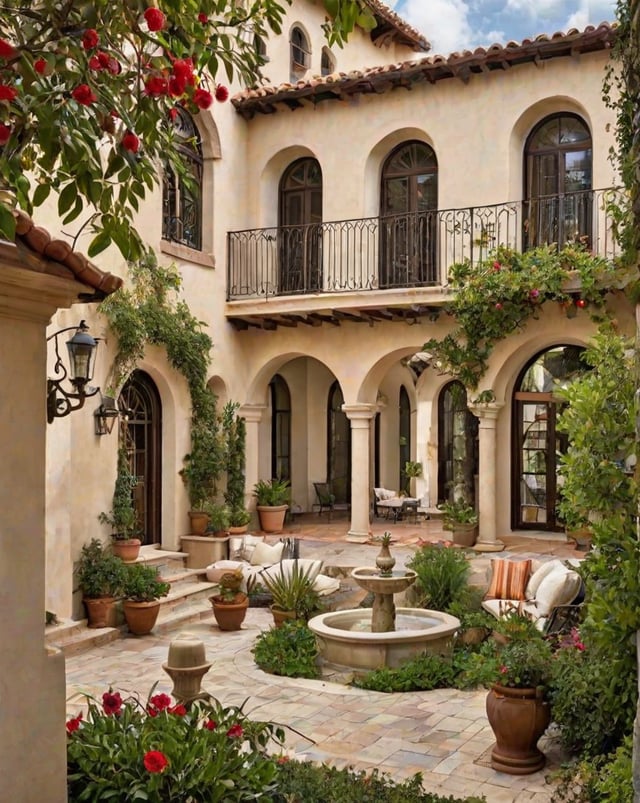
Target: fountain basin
[371, 580]
[345, 638]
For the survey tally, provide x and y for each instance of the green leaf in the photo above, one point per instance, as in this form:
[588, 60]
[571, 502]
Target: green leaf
[7, 223]
[41, 194]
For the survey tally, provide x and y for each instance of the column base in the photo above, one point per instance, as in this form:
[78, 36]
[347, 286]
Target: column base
[488, 546]
[358, 537]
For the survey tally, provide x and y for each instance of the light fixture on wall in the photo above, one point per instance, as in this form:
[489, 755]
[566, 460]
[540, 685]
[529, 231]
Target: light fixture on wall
[106, 415]
[82, 357]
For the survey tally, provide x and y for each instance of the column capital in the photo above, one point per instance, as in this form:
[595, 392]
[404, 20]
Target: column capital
[252, 413]
[486, 410]
[359, 411]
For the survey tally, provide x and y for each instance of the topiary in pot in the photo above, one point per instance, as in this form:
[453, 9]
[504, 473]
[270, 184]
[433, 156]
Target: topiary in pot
[142, 590]
[123, 518]
[100, 576]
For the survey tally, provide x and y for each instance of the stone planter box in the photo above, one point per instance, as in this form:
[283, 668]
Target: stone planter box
[203, 550]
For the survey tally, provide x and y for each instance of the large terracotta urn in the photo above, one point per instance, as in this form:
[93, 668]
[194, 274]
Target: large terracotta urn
[272, 517]
[141, 616]
[518, 718]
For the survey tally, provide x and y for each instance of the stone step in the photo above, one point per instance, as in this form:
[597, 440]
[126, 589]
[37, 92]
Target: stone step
[74, 637]
[175, 618]
[185, 593]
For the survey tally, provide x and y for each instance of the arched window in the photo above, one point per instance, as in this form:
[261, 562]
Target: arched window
[558, 182]
[300, 53]
[338, 446]
[300, 230]
[327, 62]
[182, 194]
[404, 420]
[409, 202]
[280, 428]
[457, 445]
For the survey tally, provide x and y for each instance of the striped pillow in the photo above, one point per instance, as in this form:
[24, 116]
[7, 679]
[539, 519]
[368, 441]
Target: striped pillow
[508, 579]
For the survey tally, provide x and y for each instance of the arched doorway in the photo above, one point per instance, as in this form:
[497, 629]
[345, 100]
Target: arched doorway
[457, 446]
[300, 229]
[408, 216]
[338, 446]
[141, 432]
[280, 428]
[404, 413]
[536, 442]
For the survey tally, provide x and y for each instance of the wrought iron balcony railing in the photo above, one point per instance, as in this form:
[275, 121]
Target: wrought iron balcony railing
[409, 250]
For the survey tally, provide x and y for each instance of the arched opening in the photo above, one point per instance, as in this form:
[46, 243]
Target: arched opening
[338, 446]
[300, 53]
[280, 428]
[181, 199]
[141, 433]
[537, 444]
[457, 445]
[404, 441]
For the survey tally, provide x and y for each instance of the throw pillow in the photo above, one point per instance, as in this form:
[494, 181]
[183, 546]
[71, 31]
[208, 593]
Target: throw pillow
[236, 547]
[508, 579]
[538, 576]
[249, 543]
[266, 555]
[559, 587]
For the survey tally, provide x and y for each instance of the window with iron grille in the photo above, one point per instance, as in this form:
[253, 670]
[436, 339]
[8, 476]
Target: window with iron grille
[182, 189]
[300, 54]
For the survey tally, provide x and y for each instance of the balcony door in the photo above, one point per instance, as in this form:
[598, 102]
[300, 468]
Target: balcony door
[408, 217]
[300, 229]
[558, 183]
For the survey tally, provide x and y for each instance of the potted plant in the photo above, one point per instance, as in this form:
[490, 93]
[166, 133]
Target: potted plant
[411, 471]
[461, 518]
[100, 577]
[230, 604]
[219, 518]
[201, 472]
[272, 497]
[235, 432]
[292, 593]
[142, 590]
[517, 708]
[123, 518]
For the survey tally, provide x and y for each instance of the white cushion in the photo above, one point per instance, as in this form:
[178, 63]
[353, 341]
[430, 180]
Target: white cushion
[286, 566]
[323, 585]
[249, 543]
[500, 607]
[265, 554]
[559, 587]
[382, 494]
[538, 576]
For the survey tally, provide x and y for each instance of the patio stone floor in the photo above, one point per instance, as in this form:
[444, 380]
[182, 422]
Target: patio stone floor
[443, 734]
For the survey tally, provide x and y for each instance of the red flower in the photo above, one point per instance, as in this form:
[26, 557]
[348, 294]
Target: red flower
[222, 93]
[183, 71]
[534, 293]
[202, 17]
[155, 761]
[202, 98]
[40, 66]
[156, 86]
[210, 725]
[74, 723]
[8, 92]
[176, 87]
[581, 303]
[235, 731]
[111, 702]
[5, 133]
[7, 50]
[160, 701]
[155, 19]
[179, 710]
[498, 305]
[83, 95]
[130, 142]
[173, 113]
[504, 669]
[497, 266]
[90, 39]
[114, 66]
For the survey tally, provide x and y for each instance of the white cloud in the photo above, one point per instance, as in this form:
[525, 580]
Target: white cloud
[445, 23]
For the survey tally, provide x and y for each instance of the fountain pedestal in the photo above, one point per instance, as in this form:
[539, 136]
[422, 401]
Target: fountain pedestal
[383, 587]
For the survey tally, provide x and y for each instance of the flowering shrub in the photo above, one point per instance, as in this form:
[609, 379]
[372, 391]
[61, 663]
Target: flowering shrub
[158, 751]
[524, 663]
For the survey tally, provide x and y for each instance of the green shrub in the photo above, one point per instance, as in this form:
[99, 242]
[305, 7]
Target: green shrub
[303, 782]
[443, 575]
[289, 650]
[615, 783]
[422, 673]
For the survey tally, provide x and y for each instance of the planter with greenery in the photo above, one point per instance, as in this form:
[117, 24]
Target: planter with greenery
[142, 590]
[293, 596]
[123, 518]
[462, 519]
[230, 604]
[219, 517]
[410, 471]
[272, 498]
[100, 575]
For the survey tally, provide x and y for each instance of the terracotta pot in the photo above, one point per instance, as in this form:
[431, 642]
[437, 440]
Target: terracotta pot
[141, 616]
[101, 611]
[127, 550]
[272, 517]
[199, 522]
[464, 534]
[230, 615]
[518, 718]
[238, 530]
[473, 635]
[280, 616]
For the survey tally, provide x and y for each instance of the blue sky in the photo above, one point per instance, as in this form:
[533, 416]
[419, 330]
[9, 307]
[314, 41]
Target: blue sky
[464, 24]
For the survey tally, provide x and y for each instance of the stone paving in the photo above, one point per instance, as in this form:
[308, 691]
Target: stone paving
[443, 734]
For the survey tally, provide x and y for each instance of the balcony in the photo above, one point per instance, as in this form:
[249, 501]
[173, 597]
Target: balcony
[395, 267]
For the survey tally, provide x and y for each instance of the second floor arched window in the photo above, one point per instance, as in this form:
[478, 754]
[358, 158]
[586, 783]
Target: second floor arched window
[182, 192]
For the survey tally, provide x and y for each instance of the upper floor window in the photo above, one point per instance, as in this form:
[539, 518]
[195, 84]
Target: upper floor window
[300, 54]
[327, 63]
[260, 47]
[182, 191]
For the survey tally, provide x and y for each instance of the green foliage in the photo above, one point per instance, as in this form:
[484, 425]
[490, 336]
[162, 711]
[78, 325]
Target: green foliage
[524, 663]
[142, 583]
[289, 650]
[123, 518]
[213, 753]
[443, 575]
[99, 573]
[515, 623]
[422, 673]
[292, 590]
[458, 512]
[497, 297]
[235, 435]
[303, 782]
[219, 516]
[272, 493]
[614, 784]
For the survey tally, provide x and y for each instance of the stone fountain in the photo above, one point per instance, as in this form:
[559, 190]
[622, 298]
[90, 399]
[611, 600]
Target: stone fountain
[382, 635]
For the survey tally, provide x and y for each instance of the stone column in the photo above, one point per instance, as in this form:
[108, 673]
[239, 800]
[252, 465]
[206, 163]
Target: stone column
[487, 414]
[360, 416]
[252, 414]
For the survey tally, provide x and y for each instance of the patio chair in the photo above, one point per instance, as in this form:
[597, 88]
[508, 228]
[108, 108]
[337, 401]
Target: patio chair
[325, 499]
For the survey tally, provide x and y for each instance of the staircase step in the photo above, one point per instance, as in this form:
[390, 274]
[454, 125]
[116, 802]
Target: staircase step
[80, 638]
[186, 593]
[191, 611]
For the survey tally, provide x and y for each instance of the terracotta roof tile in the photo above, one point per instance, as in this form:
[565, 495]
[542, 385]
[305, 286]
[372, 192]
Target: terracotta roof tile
[267, 100]
[392, 26]
[61, 259]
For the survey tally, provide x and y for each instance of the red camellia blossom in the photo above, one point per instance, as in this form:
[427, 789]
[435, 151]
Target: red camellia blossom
[156, 86]
[130, 142]
[222, 93]
[7, 50]
[202, 98]
[498, 305]
[497, 266]
[40, 66]
[210, 724]
[235, 731]
[176, 87]
[155, 19]
[83, 94]
[8, 92]
[111, 702]
[74, 723]
[202, 17]
[160, 701]
[183, 71]
[90, 39]
[155, 761]
[5, 133]
[173, 113]
[179, 710]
